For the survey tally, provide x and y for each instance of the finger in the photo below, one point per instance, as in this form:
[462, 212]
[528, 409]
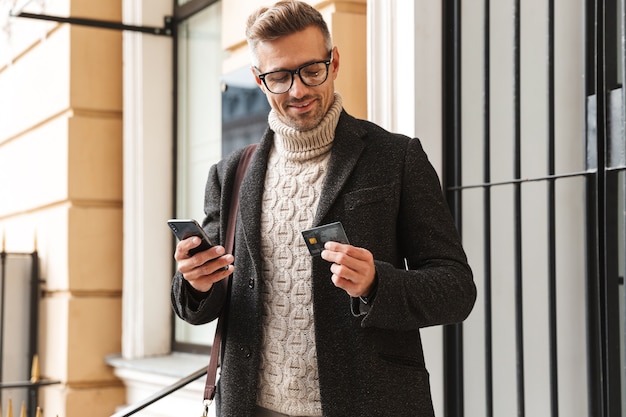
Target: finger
[202, 278]
[353, 251]
[345, 272]
[359, 260]
[184, 246]
[196, 266]
[216, 265]
[202, 258]
[337, 252]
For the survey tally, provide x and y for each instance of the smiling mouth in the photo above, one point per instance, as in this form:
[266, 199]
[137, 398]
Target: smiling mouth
[303, 105]
[304, 101]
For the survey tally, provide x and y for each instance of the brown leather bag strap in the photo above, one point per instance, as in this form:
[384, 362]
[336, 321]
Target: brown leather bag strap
[246, 157]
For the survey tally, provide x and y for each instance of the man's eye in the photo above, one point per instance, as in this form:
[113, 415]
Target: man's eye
[278, 77]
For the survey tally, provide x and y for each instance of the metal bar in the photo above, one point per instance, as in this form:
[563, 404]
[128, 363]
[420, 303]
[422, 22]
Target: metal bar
[166, 30]
[612, 308]
[33, 339]
[621, 279]
[605, 81]
[517, 199]
[594, 368]
[174, 157]
[523, 180]
[592, 310]
[594, 74]
[27, 384]
[600, 197]
[552, 290]
[623, 190]
[487, 208]
[133, 409]
[453, 334]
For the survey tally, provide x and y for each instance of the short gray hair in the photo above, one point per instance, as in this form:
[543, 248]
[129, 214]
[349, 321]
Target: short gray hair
[283, 18]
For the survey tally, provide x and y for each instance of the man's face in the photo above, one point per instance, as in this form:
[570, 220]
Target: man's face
[302, 107]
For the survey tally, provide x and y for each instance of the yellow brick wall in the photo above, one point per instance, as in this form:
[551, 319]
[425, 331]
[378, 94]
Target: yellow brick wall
[61, 188]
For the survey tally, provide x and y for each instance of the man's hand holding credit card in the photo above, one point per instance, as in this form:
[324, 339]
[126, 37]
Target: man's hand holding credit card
[316, 237]
[352, 268]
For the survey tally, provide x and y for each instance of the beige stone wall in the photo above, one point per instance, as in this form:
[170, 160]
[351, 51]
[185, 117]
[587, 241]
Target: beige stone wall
[347, 23]
[61, 192]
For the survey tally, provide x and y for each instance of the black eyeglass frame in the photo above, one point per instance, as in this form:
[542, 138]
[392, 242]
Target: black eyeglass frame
[297, 71]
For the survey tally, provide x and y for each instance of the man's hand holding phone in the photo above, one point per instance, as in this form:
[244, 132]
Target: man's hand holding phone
[201, 263]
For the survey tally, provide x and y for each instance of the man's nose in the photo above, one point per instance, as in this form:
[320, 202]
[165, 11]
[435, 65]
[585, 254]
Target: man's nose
[298, 88]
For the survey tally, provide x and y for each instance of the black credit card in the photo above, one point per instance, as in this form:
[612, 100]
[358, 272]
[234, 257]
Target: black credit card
[316, 237]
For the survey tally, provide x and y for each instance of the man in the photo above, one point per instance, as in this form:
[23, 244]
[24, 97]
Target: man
[334, 335]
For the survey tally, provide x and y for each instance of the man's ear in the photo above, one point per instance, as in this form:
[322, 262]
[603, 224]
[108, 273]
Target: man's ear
[256, 77]
[335, 64]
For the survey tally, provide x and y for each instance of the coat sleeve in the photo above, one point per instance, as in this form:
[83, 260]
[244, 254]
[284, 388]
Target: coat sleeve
[437, 285]
[189, 304]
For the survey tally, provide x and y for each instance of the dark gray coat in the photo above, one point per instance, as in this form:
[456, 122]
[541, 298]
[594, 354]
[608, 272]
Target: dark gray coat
[387, 196]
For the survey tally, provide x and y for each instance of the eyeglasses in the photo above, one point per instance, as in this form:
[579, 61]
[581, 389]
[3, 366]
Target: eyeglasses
[311, 75]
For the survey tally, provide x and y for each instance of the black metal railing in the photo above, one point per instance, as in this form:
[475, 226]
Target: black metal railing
[601, 183]
[20, 288]
[135, 408]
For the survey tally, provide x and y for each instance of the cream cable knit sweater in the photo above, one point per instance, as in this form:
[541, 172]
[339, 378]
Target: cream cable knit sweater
[288, 378]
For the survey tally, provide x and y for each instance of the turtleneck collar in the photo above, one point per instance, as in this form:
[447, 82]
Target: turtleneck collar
[303, 145]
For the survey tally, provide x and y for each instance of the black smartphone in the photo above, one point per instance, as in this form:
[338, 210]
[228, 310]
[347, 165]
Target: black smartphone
[186, 228]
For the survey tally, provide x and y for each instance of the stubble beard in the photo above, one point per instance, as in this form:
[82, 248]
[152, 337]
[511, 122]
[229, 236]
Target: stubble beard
[306, 121]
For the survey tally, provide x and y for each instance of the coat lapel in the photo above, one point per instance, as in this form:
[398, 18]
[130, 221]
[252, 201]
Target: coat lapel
[347, 147]
[250, 197]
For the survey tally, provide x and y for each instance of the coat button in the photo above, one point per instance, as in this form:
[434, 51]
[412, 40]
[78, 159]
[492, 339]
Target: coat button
[251, 283]
[245, 351]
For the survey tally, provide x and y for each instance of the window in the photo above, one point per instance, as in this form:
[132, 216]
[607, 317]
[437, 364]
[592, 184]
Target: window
[216, 114]
[198, 131]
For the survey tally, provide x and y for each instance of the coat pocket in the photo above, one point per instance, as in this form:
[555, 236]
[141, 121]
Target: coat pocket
[380, 195]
